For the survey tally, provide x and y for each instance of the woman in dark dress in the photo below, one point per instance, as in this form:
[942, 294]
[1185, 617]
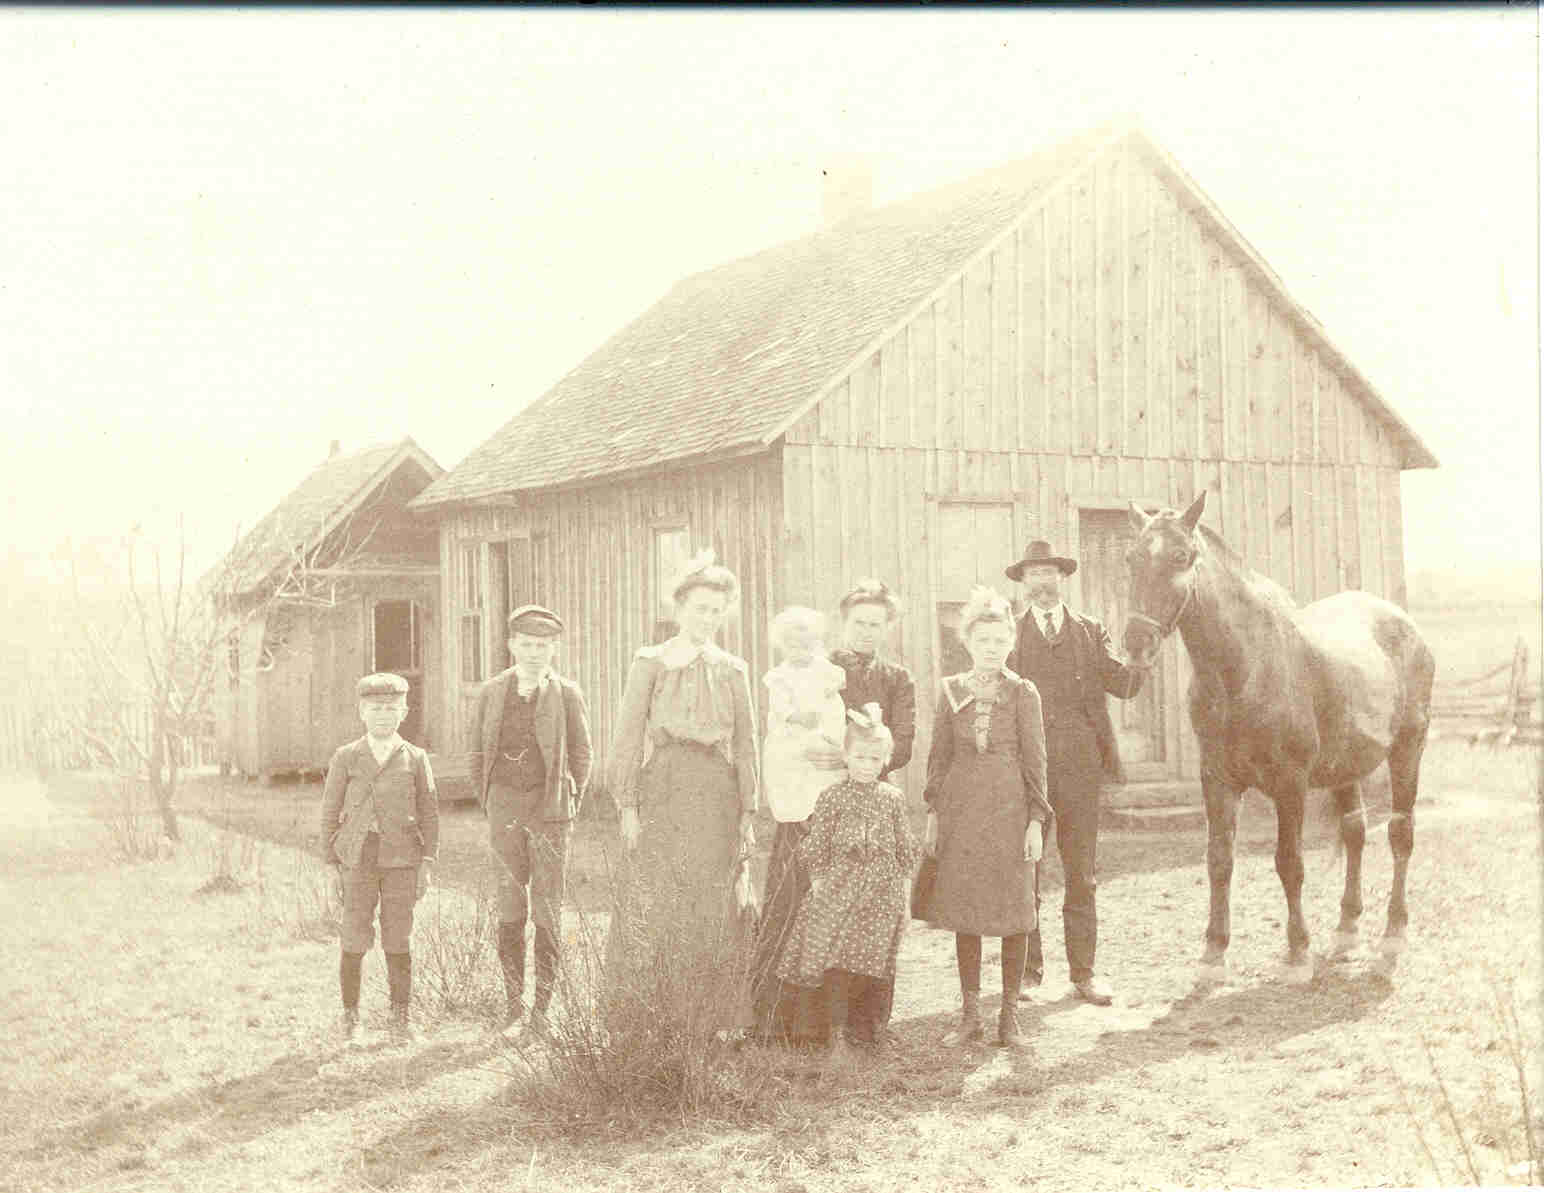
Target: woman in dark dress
[987, 809]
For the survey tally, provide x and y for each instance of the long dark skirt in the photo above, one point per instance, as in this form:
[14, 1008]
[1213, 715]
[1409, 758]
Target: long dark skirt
[676, 940]
[784, 1011]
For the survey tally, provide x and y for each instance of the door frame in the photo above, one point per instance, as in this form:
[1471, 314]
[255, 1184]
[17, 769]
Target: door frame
[1173, 676]
[1021, 503]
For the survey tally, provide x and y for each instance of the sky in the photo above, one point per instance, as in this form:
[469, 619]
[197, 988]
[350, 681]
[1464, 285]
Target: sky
[230, 237]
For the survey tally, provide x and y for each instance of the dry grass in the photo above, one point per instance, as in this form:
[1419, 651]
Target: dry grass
[157, 1039]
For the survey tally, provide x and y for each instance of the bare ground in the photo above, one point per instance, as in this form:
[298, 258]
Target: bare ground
[158, 1038]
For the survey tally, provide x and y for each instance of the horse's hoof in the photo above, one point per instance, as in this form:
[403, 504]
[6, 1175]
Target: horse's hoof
[1297, 973]
[1211, 973]
[1343, 945]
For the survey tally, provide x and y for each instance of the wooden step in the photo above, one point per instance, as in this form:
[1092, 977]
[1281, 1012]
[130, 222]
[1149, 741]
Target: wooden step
[1166, 794]
[1182, 817]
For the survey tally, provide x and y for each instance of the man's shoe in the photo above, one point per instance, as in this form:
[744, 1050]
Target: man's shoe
[1027, 987]
[348, 1025]
[1095, 991]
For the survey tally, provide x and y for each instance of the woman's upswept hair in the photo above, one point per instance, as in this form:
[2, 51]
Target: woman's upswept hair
[794, 618]
[702, 571]
[985, 605]
[868, 724]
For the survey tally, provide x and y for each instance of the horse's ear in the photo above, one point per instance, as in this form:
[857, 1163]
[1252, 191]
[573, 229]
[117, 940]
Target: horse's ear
[1138, 518]
[1193, 515]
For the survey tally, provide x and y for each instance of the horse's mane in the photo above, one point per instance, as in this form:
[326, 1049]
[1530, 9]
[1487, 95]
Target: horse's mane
[1233, 564]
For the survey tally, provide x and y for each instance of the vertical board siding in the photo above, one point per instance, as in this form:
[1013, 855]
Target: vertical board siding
[1108, 345]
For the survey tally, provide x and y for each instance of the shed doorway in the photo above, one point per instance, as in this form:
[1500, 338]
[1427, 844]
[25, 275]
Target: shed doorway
[396, 636]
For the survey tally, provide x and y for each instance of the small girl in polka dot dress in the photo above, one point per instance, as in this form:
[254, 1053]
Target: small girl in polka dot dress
[859, 853]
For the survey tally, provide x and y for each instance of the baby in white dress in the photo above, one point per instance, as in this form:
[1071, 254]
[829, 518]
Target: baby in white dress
[805, 709]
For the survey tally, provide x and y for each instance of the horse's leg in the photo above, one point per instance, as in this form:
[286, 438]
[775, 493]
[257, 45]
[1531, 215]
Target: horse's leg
[1221, 827]
[1404, 776]
[1353, 835]
[1290, 797]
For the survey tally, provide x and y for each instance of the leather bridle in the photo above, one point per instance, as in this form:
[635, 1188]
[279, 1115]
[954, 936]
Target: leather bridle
[1165, 630]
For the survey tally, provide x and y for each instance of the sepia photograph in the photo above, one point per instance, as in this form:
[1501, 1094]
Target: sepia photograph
[787, 600]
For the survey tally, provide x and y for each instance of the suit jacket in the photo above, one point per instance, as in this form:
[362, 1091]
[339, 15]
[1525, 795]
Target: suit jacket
[562, 728]
[406, 805]
[1098, 672]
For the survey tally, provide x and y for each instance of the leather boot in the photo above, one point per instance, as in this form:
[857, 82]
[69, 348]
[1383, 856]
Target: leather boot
[1008, 1033]
[350, 967]
[399, 981]
[969, 1029]
[512, 962]
[545, 950]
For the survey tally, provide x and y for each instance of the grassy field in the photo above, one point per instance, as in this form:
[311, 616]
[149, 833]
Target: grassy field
[167, 1027]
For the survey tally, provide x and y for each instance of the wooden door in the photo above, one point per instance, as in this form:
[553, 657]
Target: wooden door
[1104, 538]
[974, 542]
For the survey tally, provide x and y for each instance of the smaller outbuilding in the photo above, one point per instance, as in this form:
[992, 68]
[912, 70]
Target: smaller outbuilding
[338, 580]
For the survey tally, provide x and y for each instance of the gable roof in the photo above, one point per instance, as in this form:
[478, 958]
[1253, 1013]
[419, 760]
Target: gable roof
[732, 356]
[314, 508]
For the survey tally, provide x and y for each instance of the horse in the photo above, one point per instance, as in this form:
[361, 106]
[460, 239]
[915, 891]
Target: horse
[1284, 698]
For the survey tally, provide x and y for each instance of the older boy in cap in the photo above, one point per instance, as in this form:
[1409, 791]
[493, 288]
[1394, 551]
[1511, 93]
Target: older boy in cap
[535, 735]
[381, 827]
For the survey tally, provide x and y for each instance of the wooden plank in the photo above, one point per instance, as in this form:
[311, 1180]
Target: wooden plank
[1110, 303]
[1259, 382]
[1138, 239]
[1209, 349]
[1208, 476]
[1085, 317]
[1182, 484]
[1160, 317]
[895, 403]
[1060, 346]
[864, 397]
[1369, 529]
[951, 365]
[1257, 511]
[922, 375]
[1326, 568]
[1350, 416]
[1283, 517]
[1234, 529]
[1279, 412]
[1391, 520]
[1304, 401]
[1350, 535]
[976, 355]
[1305, 521]
[1155, 481]
[1034, 270]
[1003, 343]
[799, 523]
[1235, 362]
[1327, 391]
[1186, 315]
[857, 554]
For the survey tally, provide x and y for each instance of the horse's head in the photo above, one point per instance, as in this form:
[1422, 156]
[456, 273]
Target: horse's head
[1162, 566]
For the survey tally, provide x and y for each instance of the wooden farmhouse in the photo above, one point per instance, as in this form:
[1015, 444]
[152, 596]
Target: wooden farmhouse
[914, 393]
[338, 580]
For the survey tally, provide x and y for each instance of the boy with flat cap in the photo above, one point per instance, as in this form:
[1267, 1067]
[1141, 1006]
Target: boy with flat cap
[535, 736]
[380, 827]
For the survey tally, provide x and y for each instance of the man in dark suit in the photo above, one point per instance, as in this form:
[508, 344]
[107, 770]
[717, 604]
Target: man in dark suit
[535, 736]
[1068, 657]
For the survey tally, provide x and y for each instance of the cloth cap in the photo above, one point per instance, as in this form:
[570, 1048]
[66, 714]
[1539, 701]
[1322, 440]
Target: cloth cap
[382, 683]
[536, 620]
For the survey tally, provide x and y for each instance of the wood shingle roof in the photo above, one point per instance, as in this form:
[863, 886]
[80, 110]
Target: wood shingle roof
[730, 357]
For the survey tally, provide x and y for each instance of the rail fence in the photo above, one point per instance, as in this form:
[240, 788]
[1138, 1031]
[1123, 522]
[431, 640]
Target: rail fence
[1497, 706]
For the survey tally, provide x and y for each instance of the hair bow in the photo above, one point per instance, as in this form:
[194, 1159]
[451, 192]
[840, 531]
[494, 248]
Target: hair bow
[870, 716]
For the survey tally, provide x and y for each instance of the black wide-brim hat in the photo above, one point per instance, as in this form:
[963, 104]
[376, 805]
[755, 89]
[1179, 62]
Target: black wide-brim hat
[1039, 553]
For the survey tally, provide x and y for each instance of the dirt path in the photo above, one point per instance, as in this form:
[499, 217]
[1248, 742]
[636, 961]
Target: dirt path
[158, 1038]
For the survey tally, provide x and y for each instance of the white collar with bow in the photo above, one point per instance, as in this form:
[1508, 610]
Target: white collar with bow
[960, 691]
[681, 651]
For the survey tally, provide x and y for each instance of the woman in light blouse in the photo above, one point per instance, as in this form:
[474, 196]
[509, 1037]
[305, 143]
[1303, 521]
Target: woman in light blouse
[683, 769]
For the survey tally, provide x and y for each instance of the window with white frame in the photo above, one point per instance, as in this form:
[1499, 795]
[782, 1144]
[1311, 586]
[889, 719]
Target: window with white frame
[672, 550]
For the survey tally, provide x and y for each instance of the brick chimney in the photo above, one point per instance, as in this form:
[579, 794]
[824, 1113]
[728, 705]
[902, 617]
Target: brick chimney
[846, 188]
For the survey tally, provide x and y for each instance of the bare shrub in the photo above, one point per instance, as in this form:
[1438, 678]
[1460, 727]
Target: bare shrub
[301, 899]
[132, 821]
[228, 855]
[453, 951]
[648, 1026]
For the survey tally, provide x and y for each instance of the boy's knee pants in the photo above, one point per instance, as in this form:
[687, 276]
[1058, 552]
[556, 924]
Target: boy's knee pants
[394, 889]
[533, 862]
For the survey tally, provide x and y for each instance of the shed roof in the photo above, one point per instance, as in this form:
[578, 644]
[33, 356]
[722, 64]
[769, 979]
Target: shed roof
[732, 356]
[317, 506]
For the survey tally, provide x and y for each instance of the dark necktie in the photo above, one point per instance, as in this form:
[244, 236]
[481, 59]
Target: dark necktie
[1050, 624]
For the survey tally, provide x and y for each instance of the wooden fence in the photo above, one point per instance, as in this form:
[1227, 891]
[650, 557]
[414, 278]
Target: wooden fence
[32, 740]
[1497, 706]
